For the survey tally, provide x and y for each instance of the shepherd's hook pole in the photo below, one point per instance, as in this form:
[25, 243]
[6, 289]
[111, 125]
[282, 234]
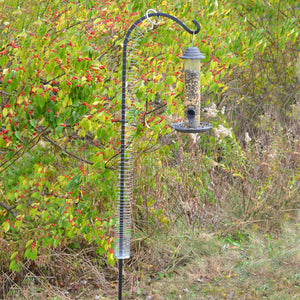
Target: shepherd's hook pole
[120, 278]
[123, 123]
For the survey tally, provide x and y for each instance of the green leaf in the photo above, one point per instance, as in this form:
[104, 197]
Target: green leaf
[28, 243]
[13, 265]
[32, 123]
[36, 195]
[43, 29]
[50, 241]
[42, 101]
[33, 211]
[17, 134]
[5, 226]
[33, 254]
[27, 253]
[110, 258]
[100, 250]
[18, 224]
[14, 255]
[56, 242]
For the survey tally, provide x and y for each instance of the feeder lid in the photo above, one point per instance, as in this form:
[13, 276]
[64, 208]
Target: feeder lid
[202, 127]
[192, 53]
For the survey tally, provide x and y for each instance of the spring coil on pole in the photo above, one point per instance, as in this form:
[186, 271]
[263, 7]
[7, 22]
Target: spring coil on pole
[124, 196]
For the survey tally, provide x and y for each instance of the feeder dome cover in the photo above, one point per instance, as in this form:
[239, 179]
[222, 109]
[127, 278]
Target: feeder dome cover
[192, 53]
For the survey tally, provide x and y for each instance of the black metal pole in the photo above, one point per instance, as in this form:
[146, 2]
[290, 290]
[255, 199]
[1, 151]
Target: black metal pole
[120, 278]
[123, 120]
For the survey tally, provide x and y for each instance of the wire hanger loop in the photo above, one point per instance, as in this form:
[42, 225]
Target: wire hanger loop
[147, 16]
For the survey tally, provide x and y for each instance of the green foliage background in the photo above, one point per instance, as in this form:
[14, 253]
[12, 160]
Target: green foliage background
[60, 88]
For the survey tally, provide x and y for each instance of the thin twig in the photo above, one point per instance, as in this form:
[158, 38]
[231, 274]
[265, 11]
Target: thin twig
[66, 151]
[21, 152]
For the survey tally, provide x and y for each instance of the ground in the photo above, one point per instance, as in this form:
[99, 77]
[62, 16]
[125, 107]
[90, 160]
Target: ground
[190, 265]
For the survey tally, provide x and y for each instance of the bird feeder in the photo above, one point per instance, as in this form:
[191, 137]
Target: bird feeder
[192, 93]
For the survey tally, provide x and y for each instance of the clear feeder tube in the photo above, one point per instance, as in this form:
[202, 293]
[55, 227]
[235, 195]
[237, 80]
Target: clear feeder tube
[192, 69]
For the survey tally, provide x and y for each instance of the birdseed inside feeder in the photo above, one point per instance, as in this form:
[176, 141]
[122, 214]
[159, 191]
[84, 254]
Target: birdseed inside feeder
[192, 98]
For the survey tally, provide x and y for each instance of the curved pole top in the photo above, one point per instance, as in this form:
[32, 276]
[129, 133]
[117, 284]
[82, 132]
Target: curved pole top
[160, 14]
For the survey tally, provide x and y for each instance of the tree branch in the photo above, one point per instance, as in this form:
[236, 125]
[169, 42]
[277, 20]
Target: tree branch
[66, 151]
[9, 209]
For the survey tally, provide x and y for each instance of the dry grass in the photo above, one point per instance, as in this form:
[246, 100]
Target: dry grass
[209, 267]
[193, 265]
[72, 275]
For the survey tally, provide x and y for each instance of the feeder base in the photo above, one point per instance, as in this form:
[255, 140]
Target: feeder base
[202, 127]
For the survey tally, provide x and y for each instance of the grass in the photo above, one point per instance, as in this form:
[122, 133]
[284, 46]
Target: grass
[255, 266]
[191, 265]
